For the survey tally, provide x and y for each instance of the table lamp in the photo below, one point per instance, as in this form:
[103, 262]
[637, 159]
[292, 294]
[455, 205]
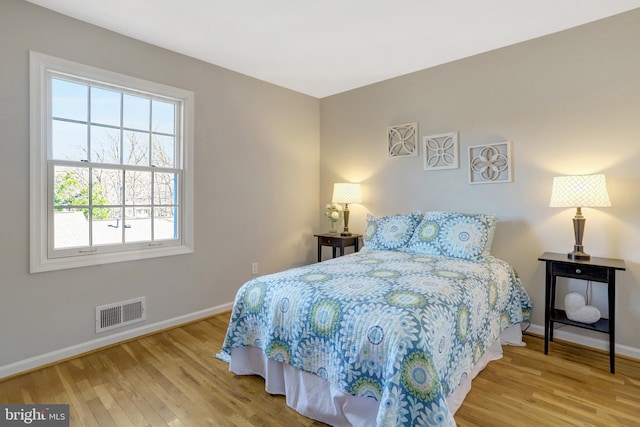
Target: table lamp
[346, 193]
[578, 191]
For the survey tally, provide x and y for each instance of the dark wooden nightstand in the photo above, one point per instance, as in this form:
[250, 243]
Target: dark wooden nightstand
[595, 269]
[336, 241]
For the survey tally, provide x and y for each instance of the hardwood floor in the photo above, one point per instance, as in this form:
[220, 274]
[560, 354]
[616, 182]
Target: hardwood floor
[571, 386]
[171, 378]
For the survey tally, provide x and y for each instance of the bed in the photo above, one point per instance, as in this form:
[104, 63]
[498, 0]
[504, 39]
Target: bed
[389, 336]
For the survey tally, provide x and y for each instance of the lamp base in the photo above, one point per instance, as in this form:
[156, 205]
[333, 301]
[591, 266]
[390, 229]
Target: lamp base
[578, 253]
[345, 232]
[578, 231]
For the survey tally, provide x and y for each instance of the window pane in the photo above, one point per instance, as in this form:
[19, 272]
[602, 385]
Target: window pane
[71, 229]
[137, 225]
[71, 186]
[163, 151]
[137, 188]
[107, 187]
[69, 100]
[105, 106]
[163, 117]
[165, 189]
[105, 145]
[164, 223]
[69, 141]
[136, 148]
[136, 112]
[106, 226]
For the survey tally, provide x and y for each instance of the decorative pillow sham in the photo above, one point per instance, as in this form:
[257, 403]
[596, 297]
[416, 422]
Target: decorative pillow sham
[458, 235]
[390, 232]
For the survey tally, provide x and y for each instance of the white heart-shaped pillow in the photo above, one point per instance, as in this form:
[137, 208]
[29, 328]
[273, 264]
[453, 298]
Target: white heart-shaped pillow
[578, 311]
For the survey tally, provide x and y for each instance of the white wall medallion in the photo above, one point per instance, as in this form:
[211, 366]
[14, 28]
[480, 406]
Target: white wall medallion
[490, 163]
[440, 151]
[403, 140]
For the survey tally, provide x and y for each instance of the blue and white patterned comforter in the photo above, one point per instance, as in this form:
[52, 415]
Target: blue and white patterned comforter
[402, 328]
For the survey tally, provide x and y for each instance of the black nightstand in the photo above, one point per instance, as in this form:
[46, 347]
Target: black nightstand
[336, 241]
[595, 269]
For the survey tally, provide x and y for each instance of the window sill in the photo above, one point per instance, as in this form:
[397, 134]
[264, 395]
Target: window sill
[105, 258]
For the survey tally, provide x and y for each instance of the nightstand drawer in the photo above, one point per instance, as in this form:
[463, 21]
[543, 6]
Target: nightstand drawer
[329, 241]
[584, 272]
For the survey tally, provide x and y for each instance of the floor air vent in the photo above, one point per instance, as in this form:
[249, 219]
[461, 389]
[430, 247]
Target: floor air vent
[119, 314]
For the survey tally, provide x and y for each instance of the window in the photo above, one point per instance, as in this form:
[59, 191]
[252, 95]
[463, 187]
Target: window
[111, 167]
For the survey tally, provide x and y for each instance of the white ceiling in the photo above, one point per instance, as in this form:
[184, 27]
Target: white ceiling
[324, 47]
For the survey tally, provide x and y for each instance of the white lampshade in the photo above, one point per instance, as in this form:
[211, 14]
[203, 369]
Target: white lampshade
[346, 192]
[579, 191]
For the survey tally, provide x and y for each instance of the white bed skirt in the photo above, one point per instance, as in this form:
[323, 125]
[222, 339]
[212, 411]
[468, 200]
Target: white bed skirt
[316, 398]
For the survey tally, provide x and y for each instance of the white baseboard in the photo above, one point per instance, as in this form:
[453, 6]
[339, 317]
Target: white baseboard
[74, 350]
[601, 344]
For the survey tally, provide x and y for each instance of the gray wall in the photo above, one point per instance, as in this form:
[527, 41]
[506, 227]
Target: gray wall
[256, 189]
[570, 104]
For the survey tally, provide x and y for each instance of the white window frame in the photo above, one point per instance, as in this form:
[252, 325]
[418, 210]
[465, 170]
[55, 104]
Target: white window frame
[40, 210]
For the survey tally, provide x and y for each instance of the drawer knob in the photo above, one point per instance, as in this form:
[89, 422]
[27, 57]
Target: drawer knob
[578, 271]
